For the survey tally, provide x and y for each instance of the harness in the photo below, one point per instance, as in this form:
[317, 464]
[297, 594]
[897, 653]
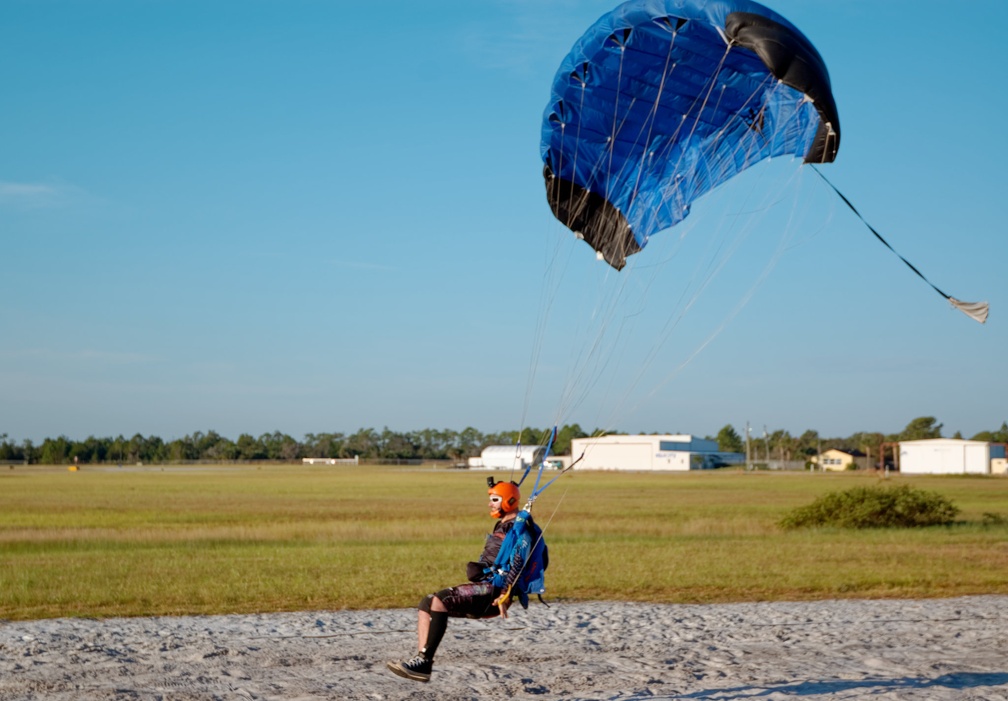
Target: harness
[524, 543]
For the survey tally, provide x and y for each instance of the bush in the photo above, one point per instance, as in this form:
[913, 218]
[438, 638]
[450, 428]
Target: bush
[874, 507]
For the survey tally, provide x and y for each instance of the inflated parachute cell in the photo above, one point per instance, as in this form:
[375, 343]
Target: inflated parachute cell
[662, 100]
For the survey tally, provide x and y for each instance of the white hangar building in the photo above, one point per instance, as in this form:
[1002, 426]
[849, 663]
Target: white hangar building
[945, 456]
[508, 457]
[679, 452]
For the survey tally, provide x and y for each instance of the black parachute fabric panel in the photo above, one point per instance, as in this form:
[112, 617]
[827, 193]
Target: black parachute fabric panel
[795, 62]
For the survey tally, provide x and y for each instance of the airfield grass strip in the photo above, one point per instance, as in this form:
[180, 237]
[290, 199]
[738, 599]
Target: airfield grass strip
[208, 540]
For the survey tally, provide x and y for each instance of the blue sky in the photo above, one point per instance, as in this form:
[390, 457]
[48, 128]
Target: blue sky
[315, 216]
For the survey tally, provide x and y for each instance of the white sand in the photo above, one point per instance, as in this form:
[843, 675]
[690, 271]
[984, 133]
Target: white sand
[932, 649]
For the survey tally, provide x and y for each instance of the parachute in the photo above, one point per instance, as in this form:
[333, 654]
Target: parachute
[663, 100]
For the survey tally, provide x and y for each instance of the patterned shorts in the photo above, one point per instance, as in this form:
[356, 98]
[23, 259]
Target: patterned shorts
[467, 600]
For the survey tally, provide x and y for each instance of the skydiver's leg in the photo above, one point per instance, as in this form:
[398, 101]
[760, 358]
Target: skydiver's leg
[419, 668]
[432, 621]
[464, 601]
[423, 625]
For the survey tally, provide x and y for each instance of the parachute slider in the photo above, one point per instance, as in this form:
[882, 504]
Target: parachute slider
[974, 310]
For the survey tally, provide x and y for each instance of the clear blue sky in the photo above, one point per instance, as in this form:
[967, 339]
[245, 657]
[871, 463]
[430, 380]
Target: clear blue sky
[315, 216]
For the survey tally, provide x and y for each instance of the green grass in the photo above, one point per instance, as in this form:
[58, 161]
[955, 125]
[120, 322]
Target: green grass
[121, 542]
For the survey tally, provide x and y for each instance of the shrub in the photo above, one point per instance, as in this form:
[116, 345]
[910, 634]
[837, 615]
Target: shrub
[874, 507]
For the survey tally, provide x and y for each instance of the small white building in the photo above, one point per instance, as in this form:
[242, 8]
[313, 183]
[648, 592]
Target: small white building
[944, 456]
[508, 457]
[680, 452]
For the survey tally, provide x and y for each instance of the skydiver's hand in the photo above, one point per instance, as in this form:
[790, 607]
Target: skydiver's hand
[503, 603]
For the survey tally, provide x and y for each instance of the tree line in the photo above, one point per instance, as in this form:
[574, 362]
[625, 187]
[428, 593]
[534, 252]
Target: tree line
[366, 444]
[369, 444]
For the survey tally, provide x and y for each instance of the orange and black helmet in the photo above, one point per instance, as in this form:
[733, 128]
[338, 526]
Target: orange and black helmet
[504, 495]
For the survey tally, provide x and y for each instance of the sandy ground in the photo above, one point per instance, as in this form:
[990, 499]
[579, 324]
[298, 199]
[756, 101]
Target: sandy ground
[932, 649]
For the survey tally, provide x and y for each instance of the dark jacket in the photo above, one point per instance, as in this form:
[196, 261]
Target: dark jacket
[478, 571]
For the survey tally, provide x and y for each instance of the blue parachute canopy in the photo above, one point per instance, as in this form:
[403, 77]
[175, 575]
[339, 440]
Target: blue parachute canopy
[662, 100]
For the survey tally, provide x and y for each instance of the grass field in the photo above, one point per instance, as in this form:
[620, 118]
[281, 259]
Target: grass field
[210, 539]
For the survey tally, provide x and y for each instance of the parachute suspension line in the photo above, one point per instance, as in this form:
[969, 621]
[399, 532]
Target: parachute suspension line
[743, 145]
[718, 258]
[593, 360]
[975, 310]
[585, 353]
[697, 110]
[740, 305]
[547, 295]
[653, 116]
[550, 285]
[562, 472]
[612, 135]
[703, 105]
[595, 355]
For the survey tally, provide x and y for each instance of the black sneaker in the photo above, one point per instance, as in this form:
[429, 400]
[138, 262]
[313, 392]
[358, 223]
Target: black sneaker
[418, 669]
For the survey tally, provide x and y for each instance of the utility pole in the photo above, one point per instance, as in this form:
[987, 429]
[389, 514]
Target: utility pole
[748, 452]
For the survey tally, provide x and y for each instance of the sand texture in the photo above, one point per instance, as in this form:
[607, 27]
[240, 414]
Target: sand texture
[849, 649]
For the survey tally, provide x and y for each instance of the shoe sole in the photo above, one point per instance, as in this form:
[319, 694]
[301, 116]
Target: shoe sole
[397, 668]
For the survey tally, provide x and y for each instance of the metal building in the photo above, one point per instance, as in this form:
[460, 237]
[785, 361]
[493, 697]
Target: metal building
[508, 457]
[945, 456]
[678, 452]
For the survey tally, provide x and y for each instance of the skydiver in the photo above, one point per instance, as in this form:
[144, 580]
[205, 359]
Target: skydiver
[477, 599]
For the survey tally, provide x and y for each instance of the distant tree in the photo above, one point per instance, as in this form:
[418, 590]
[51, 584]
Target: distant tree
[398, 445]
[30, 451]
[134, 446]
[534, 436]
[729, 441]
[279, 446]
[431, 443]
[808, 443]
[181, 449]
[223, 449]
[921, 428]
[7, 448]
[54, 451]
[249, 448]
[213, 446]
[363, 443]
[152, 450]
[784, 442]
[999, 436]
[565, 435]
[117, 448]
[868, 443]
[324, 445]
